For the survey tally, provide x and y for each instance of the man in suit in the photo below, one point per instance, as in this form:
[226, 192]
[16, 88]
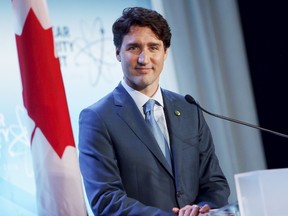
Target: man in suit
[124, 170]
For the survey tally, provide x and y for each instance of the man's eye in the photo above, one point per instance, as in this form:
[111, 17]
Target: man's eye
[154, 48]
[132, 48]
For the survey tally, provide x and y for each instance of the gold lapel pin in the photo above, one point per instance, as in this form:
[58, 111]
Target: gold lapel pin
[177, 113]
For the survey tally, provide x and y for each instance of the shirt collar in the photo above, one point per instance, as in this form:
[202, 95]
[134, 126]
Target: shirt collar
[140, 98]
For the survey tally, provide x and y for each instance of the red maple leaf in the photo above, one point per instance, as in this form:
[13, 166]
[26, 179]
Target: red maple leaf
[43, 89]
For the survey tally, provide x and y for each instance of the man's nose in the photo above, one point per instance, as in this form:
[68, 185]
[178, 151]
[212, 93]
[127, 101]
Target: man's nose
[143, 57]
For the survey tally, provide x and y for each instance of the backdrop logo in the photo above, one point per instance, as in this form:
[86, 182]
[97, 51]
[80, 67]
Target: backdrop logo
[14, 144]
[63, 43]
[86, 48]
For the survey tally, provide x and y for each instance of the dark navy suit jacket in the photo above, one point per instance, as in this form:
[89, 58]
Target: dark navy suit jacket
[124, 170]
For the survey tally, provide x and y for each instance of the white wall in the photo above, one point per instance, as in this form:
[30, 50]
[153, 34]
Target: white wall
[210, 64]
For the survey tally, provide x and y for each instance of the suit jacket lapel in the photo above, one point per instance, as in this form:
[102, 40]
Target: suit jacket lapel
[128, 111]
[174, 121]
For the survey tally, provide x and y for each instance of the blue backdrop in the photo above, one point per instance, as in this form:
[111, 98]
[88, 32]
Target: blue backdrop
[83, 40]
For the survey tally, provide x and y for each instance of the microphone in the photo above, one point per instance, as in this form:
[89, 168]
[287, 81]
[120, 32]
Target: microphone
[191, 100]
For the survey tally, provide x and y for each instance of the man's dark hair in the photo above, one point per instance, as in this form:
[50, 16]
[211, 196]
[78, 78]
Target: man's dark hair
[138, 16]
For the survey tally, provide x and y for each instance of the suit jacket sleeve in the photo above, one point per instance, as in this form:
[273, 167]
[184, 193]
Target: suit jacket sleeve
[213, 186]
[198, 176]
[100, 171]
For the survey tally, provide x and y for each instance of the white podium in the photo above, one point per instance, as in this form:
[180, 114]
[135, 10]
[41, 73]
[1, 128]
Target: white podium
[263, 193]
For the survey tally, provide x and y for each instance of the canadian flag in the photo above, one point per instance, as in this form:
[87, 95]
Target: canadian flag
[55, 160]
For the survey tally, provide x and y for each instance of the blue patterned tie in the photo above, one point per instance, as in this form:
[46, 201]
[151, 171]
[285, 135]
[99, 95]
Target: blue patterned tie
[153, 125]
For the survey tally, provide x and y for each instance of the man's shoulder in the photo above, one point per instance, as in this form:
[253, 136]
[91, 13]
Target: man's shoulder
[172, 96]
[100, 103]
[114, 97]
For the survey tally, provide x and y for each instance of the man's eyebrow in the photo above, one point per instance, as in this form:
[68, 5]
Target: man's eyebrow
[154, 44]
[149, 43]
[133, 44]
[136, 44]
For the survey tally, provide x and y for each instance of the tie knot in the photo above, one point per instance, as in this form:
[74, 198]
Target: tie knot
[149, 106]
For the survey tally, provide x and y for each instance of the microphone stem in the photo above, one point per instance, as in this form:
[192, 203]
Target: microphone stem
[241, 122]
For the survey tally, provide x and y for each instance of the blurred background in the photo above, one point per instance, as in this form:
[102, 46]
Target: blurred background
[265, 33]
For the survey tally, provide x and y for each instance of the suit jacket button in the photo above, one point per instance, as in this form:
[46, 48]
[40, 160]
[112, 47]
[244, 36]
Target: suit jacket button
[178, 194]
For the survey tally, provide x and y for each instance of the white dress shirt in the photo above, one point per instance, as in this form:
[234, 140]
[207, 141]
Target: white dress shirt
[140, 99]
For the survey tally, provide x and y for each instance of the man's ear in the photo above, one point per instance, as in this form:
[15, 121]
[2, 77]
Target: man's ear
[118, 55]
